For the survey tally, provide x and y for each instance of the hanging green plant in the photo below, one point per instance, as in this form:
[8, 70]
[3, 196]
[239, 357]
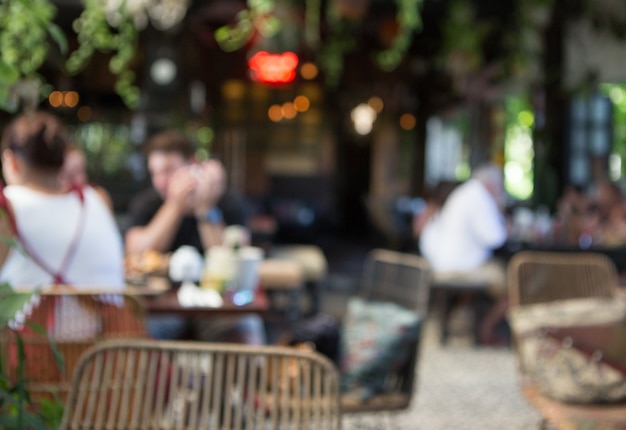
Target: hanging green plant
[96, 33]
[409, 21]
[29, 36]
[340, 42]
[257, 18]
[26, 28]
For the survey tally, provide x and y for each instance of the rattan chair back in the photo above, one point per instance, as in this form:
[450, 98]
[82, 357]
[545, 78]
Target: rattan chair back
[190, 385]
[404, 279]
[540, 277]
[71, 322]
[397, 277]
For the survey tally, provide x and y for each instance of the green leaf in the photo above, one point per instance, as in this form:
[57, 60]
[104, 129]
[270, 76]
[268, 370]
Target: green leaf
[59, 37]
[11, 303]
[51, 411]
[22, 418]
[8, 75]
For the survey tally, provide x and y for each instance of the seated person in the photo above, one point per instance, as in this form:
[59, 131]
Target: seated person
[573, 207]
[187, 205]
[458, 239]
[607, 221]
[61, 236]
[74, 173]
[434, 201]
[70, 237]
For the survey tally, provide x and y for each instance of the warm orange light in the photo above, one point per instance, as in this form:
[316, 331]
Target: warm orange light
[308, 71]
[70, 98]
[301, 103]
[55, 98]
[407, 121]
[275, 113]
[84, 113]
[376, 103]
[289, 110]
[273, 68]
[234, 89]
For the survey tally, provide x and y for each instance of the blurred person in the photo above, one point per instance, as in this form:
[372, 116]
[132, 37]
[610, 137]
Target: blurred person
[458, 240]
[434, 201]
[607, 220]
[74, 173]
[187, 205]
[64, 237]
[572, 209]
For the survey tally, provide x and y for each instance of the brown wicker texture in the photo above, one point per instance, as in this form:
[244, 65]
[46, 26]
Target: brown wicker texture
[540, 277]
[190, 385]
[74, 322]
[403, 279]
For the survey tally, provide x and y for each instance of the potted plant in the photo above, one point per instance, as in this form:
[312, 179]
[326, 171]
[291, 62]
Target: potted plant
[17, 408]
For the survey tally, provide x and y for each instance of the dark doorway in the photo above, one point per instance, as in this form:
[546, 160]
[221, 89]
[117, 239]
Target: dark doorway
[353, 178]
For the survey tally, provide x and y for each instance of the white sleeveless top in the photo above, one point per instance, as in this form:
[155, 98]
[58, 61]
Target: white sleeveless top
[48, 225]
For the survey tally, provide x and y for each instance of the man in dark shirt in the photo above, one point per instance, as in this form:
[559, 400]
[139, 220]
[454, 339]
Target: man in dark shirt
[145, 205]
[187, 205]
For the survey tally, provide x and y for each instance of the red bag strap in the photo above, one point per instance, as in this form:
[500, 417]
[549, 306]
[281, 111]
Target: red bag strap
[58, 275]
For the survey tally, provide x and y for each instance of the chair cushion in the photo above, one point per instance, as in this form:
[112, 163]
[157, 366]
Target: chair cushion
[573, 350]
[376, 341]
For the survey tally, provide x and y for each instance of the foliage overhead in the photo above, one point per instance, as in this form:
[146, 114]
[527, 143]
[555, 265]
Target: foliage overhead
[29, 36]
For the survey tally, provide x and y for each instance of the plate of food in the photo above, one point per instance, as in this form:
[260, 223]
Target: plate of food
[141, 267]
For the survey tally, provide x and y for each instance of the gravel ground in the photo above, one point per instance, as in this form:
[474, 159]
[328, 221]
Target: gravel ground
[459, 387]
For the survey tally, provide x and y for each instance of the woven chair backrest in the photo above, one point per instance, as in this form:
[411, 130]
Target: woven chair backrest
[72, 323]
[398, 277]
[540, 277]
[190, 385]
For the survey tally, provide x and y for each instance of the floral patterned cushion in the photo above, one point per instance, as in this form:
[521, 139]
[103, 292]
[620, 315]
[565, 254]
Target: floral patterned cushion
[376, 341]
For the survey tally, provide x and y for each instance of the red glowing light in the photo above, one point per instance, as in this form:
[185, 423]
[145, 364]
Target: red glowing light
[273, 68]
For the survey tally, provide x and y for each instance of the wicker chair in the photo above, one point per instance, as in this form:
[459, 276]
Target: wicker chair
[74, 321]
[403, 279]
[189, 385]
[540, 277]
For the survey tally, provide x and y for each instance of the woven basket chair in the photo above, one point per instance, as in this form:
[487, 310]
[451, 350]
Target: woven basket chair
[403, 279]
[74, 321]
[540, 277]
[189, 385]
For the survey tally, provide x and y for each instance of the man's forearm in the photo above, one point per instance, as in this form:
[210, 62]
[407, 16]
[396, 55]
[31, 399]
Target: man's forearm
[158, 234]
[211, 234]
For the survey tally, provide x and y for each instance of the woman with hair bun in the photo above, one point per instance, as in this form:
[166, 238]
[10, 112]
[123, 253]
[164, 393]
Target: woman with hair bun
[63, 237]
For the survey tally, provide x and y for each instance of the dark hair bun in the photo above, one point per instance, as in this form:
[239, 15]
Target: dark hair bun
[38, 138]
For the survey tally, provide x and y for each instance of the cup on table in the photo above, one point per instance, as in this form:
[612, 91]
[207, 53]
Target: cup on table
[246, 277]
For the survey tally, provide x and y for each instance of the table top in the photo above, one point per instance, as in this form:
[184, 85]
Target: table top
[167, 303]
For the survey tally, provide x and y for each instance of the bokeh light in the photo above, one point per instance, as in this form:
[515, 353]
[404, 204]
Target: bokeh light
[308, 71]
[289, 110]
[302, 103]
[376, 103]
[84, 113]
[407, 121]
[275, 113]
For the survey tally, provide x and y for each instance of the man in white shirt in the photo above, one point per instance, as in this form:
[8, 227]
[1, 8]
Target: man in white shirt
[459, 239]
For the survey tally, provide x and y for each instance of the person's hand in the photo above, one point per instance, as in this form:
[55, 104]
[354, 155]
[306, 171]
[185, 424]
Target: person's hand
[182, 190]
[211, 179]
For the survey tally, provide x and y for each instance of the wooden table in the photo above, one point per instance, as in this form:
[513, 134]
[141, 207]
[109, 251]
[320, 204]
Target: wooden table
[167, 303]
[274, 276]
